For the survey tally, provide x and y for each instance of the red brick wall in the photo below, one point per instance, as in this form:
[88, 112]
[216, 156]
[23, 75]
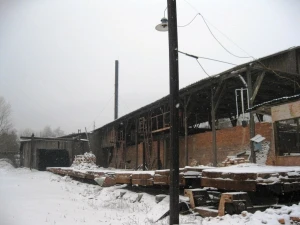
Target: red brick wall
[229, 141]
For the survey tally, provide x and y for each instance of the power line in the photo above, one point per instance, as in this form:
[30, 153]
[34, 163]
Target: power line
[202, 68]
[189, 22]
[243, 57]
[198, 13]
[106, 104]
[253, 58]
[197, 57]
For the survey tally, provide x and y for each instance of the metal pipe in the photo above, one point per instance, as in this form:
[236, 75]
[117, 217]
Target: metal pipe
[243, 80]
[248, 99]
[116, 88]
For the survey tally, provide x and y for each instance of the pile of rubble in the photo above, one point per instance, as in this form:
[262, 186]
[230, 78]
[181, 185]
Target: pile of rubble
[85, 161]
[233, 160]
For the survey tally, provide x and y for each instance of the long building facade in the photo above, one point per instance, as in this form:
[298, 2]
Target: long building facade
[140, 139]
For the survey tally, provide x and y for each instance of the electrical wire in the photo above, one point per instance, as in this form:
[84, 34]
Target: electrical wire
[189, 22]
[249, 56]
[242, 57]
[202, 68]
[106, 104]
[204, 20]
[196, 57]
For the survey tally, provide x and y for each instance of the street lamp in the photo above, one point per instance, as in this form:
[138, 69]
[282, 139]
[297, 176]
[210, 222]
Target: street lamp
[163, 26]
[171, 26]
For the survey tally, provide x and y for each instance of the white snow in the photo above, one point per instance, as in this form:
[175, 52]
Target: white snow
[5, 165]
[34, 197]
[261, 156]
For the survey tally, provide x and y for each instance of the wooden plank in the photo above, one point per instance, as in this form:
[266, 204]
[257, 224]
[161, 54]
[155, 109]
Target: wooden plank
[124, 178]
[161, 180]
[206, 211]
[257, 84]
[143, 176]
[160, 130]
[232, 185]
[141, 182]
[286, 111]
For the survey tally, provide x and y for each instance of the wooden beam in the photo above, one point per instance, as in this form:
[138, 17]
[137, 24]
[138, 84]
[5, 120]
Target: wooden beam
[213, 126]
[219, 94]
[252, 123]
[136, 142]
[186, 103]
[257, 85]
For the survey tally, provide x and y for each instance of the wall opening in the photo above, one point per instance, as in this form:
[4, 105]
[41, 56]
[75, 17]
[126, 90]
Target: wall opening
[52, 158]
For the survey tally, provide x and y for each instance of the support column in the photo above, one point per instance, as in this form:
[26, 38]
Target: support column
[186, 152]
[251, 123]
[136, 143]
[31, 151]
[158, 155]
[213, 129]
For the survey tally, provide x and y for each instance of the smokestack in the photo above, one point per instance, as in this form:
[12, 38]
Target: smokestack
[116, 88]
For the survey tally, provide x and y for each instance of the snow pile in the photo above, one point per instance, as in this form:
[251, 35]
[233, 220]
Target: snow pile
[253, 168]
[30, 195]
[5, 165]
[284, 215]
[87, 161]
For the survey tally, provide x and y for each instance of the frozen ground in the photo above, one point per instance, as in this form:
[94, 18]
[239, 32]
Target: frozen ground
[34, 198]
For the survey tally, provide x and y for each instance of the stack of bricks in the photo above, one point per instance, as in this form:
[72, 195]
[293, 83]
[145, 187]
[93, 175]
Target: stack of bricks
[86, 158]
[229, 161]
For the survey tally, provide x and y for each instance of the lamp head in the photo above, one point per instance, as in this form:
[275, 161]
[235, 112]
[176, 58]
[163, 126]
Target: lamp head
[163, 26]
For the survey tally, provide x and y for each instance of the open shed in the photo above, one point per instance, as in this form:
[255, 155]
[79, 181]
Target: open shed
[142, 136]
[39, 153]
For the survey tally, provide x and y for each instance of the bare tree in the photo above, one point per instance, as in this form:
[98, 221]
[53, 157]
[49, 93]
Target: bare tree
[27, 132]
[8, 138]
[5, 116]
[48, 132]
[9, 142]
[58, 132]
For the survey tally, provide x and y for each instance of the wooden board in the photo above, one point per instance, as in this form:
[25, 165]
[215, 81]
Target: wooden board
[230, 185]
[159, 210]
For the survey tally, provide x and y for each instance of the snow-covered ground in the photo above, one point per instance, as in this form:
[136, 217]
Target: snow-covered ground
[35, 197]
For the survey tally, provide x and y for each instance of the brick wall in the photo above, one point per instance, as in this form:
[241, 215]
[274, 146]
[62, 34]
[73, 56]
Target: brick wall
[230, 141]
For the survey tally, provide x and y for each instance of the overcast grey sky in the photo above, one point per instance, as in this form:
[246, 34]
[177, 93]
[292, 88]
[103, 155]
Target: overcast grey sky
[57, 56]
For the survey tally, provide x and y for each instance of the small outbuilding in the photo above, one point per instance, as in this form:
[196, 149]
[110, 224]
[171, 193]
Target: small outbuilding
[39, 153]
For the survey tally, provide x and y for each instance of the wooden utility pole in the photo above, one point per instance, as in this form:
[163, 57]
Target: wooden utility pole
[174, 106]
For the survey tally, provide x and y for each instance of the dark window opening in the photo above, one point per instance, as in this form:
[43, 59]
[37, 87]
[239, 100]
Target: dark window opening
[288, 137]
[53, 158]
